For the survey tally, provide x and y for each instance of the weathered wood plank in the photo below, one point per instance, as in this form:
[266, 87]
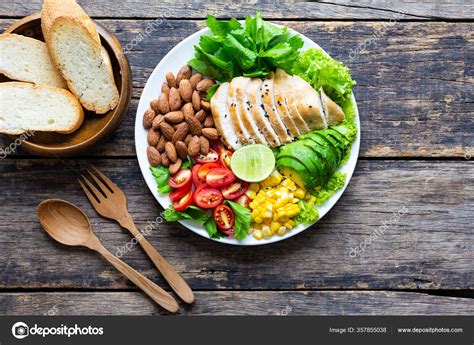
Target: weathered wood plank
[428, 246]
[339, 9]
[238, 303]
[415, 81]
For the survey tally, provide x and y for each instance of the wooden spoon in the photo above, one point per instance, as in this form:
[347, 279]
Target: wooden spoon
[69, 225]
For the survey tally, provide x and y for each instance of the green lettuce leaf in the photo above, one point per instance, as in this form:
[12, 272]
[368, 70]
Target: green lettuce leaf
[192, 212]
[309, 213]
[243, 219]
[161, 175]
[336, 182]
[211, 228]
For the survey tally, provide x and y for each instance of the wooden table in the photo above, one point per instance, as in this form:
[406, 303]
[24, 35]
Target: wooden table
[414, 69]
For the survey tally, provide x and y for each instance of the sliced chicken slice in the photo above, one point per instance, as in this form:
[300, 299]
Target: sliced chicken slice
[246, 111]
[259, 115]
[222, 119]
[268, 101]
[333, 112]
[309, 104]
[291, 96]
[236, 89]
[280, 88]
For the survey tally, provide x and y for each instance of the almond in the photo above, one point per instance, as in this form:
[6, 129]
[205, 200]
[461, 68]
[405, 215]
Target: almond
[154, 106]
[204, 85]
[204, 145]
[196, 100]
[187, 110]
[205, 105]
[195, 79]
[163, 105]
[174, 117]
[194, 125]
[166, 130]
[148, 118]
[174, 168]
[161, 144]
[174, 99]
[156, 122]
[209, 121]
[153, 137]
[210, 133]
[165, 160]
[170, 79]
[181, 149]
[154, 157]
[171, 151]
[180, 133]
[201, 115]
[165, 89]
[194, 146]
[185, 90]
[188, 139]
[184, 73]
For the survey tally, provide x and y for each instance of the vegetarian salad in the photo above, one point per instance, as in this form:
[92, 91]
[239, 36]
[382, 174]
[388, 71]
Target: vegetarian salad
[248, 137]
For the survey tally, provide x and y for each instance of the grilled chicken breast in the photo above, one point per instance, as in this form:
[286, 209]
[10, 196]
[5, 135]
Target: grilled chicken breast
[272, 112]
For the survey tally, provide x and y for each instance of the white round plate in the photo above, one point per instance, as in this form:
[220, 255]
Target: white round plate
[173, 61]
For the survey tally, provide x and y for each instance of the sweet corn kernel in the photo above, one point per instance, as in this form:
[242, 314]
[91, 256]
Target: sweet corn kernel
[281, 231]
[257, 234]
[258, 220]
[251, 194]
[274, 226]
[254, 187]
[300, 193]
[312, 200]
[266, 231]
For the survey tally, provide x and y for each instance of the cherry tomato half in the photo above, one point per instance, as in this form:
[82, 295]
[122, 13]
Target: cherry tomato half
[224, 218]
[212, 156]
[235, 190]
[204, 170]
[207, 197]
[225, 157]
[196, 180]
[219, 146]
[177, 194]
[180, 179]
[184, 202]
[220, 177]
[244, 201]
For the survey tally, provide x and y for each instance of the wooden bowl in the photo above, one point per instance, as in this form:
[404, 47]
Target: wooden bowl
[95, 128]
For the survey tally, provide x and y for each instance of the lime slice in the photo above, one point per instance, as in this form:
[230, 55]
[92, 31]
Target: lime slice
[253, 163]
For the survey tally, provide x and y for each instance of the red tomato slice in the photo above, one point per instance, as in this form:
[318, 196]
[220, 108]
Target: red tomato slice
[184, 202]
[219, 146]
[224, 218]
[244, 201]
[204, 170]
[206, 197]
[224, 158]
[177, 194]
[235, 190]
[196, 180]
[180, 179]
[220, 177]
[212, 156]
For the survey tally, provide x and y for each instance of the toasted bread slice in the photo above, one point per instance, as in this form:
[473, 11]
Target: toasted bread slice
[334, 113]
[222, 119]
[27, 59]
[246, 112]
[236, 87]
[259, 115]
[268, 101]
[29, 107]
[279, 89]
[86, 74]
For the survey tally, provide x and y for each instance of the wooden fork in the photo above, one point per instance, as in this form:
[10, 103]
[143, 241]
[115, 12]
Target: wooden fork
[110, 202]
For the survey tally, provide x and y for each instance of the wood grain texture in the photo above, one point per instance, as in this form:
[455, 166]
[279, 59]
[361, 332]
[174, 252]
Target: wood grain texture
[428, 246]
[415, 81]
[290, 303]
[327, 9]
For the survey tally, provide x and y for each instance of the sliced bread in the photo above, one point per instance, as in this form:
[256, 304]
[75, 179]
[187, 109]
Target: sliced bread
[75, 48]
[29, 107]
[27, 59]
